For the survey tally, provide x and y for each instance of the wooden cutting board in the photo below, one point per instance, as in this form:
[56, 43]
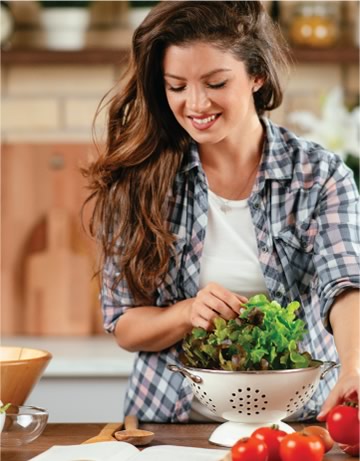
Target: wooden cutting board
[58, 283]
[36, 178]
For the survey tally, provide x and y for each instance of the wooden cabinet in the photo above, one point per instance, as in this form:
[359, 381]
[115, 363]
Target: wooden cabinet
[37, 179]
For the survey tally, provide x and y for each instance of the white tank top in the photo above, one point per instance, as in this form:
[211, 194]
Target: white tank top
[230, 254]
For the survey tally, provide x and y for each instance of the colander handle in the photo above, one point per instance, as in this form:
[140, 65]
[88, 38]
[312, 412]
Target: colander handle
[329, 365]
[185, 373]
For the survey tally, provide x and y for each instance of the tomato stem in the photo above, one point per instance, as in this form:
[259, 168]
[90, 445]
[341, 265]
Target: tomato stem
[351, 404]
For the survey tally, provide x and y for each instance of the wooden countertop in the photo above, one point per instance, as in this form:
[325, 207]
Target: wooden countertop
[194, 435]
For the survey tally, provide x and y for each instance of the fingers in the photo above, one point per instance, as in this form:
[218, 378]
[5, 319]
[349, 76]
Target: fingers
[345, 389]
[215, 301]
[202, 323]
[223, 298]
[203, 314]
[332, 400]
[218, 306]
[242, 299]
[351, 395]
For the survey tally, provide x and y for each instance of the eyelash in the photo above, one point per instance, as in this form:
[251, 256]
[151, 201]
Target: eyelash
[215, 86]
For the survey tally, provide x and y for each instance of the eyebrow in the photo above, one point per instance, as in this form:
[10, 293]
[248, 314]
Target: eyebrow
[208, 74]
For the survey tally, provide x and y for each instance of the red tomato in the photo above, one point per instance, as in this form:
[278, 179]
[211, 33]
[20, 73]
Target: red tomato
[272, 436]
[322, 433]
[301, 447]
[343, 424]
[352, 450]
[249, 449]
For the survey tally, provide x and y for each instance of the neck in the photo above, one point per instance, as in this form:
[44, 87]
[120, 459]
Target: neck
[232, 167]
[232, 154]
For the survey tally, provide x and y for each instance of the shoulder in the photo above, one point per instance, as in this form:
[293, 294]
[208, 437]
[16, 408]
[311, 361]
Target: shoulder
[300, 160]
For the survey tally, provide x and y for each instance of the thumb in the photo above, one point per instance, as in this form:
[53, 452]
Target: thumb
[332, 400]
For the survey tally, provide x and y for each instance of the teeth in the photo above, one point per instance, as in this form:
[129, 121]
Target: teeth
[202, 121]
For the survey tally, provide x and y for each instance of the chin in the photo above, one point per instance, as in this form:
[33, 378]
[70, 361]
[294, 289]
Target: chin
[206, 139]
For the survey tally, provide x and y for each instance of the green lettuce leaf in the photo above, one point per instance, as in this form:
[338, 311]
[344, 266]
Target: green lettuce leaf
[264, 336]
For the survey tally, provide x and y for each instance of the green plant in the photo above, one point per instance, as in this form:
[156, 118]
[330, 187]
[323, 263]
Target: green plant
[65, 4]
[265, 336]
[3, 408]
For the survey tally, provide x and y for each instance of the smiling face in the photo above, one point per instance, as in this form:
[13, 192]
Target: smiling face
[209, 92]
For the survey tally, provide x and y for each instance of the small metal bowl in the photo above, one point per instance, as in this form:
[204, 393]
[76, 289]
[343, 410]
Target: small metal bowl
[23, 424]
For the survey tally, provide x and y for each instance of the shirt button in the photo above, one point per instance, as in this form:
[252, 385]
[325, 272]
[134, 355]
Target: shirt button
[303, 243]
[256, 205]
[264, 249]
[278, 294]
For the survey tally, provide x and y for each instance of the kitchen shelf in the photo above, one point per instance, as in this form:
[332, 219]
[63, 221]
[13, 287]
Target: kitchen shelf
[338, 55]
[35, 56]
[30, 56]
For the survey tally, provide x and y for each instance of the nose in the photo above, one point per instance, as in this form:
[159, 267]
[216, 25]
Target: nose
[198, 100]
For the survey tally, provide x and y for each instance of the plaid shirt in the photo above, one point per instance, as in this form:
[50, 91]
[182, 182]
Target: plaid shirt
[304, 207]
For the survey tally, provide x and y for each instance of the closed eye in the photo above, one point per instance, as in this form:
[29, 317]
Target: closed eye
[176, 89]
[215, 86]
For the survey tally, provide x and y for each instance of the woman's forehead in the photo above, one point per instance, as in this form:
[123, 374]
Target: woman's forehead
[199, 58]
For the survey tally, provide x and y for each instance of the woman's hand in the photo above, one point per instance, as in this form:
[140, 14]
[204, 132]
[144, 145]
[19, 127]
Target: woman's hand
[345, 322]
[346, 389]
[214, 301]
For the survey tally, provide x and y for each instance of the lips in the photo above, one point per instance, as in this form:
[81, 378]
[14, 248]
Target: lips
[203, 122]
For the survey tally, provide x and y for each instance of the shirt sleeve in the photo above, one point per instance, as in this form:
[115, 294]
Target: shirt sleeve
[115, 300]
[337, 243]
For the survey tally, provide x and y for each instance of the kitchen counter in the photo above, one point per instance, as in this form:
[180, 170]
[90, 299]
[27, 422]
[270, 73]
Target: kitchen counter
[194, 435]
[83, 371]
[79, 356]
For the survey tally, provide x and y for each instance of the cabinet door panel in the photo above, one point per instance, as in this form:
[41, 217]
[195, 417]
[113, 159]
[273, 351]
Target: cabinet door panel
[36, 178]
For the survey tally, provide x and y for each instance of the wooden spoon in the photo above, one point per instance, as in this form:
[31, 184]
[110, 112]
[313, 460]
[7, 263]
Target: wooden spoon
[132, 434]
[106, 433]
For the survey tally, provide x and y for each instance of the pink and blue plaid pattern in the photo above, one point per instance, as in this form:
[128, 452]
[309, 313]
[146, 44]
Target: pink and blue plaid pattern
[304, 207]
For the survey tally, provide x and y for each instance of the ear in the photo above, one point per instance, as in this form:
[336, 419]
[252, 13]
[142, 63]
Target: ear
[257, 83]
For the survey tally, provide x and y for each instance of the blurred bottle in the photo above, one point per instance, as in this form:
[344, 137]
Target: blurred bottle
[315, 24]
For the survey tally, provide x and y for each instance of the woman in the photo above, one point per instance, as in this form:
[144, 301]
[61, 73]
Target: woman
[201, 202]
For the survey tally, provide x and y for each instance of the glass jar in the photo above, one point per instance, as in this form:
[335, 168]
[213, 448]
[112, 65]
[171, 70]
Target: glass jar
[315, 24]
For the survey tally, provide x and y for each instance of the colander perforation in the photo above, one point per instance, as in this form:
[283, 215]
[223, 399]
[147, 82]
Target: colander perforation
[299, 398]
[202, 396]
[243, 401]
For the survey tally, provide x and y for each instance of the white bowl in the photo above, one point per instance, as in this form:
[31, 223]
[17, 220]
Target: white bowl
[251, 399]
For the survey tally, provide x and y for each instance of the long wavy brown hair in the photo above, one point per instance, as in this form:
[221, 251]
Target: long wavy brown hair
[132, 178]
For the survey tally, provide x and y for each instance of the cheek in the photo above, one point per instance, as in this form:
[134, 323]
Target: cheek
[176, 107]
[237, 103]
[173, 103]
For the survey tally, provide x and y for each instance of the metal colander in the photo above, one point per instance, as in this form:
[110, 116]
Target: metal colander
[252, 398]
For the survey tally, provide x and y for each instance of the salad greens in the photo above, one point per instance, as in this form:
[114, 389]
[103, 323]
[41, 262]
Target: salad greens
[3, 408]
[264, 336]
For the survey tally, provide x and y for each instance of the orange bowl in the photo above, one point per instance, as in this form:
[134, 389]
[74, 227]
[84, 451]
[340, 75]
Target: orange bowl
[21, 368]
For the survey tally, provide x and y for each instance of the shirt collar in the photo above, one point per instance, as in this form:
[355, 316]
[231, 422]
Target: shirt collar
[277, 161]
[191, 159]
